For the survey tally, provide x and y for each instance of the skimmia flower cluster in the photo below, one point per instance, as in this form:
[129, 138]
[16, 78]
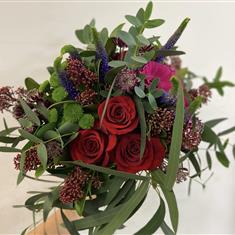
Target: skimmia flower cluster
[114, 117]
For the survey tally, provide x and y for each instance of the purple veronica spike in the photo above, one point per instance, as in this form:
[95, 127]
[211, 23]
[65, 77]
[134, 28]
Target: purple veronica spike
[173, 39]
[102, 55]
[68, 85]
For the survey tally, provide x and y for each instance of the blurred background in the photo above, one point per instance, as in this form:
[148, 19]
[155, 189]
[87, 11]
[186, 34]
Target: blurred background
[32, 34]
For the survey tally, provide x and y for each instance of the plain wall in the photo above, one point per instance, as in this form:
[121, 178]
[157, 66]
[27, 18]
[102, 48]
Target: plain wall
[31, 37]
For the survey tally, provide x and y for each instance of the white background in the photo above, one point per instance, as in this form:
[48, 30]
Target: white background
[31, 37]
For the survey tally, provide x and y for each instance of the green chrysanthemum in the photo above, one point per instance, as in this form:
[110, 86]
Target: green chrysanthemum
[59, 94]
[72, 112]
[53, 115]
[87, 121]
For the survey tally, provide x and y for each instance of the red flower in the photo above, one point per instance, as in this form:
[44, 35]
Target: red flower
[93, 147]
[120, 116]
[127, 154]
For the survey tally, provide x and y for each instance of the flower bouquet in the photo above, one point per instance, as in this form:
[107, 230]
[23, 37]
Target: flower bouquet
[114, 119]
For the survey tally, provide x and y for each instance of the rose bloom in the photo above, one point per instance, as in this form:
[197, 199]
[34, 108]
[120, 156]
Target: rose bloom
[93, 146]
[154, 70]
[120, 116]
[127, 154]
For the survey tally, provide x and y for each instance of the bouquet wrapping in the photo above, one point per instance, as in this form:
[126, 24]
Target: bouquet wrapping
[114, 119]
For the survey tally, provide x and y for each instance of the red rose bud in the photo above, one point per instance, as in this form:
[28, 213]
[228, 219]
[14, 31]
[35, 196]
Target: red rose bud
[127, 154]
[93, 147]
[120, 116]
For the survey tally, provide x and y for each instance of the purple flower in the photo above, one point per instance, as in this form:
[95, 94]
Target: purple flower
[68, 85]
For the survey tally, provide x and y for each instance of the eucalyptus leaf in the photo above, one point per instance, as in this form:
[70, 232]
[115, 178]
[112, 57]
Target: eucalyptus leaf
[154, 23]
[9, 150]
[42, 154]
[139, 92]
[127, 38]
[133, 20]
[32, 116]
[29, 136]
[115, 32]
[214, 122]
[148, 10]
[31, 84]
[152, 101]
[117, 63]
[139, 59]
[209, 161]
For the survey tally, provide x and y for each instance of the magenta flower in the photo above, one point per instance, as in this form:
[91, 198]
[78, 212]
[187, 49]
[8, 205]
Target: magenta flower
[154, 70]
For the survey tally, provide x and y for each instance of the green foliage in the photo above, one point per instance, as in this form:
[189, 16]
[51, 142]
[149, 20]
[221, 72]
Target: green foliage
[143, 126]
[31, 84]
[54, 80]
[195, 105]
[154, 23]
[32, 116]
[59, 94]
[42, 154]
[217, 83]
[44, 87]
[117, 63]
[53, 115]
[175, 147]
[86, 121]
[139, 92]
[72, 112]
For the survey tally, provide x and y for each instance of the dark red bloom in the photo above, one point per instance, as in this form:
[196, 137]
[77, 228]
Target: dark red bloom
[127, 154]
[93, 147]
[120, 116]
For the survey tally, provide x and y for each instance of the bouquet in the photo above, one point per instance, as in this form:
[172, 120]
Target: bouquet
[115, 118]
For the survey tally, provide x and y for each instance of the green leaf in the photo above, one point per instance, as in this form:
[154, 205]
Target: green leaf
[172, 206]
[106, 170]
[104, 34]
[39, 171]
[154, 23]
[228, 131]
[208, 135]
[10, 150]
[218, 74]
[139, 92]
[29, 136]
[22, 162]
[133, 20]
[69, 225]
[32, 116]
[42, 154]
[155, 222]
[222, 158]
[25, 123]
[126, 210]
[208, 159]
[88, 34]
[166, 53]
[140, 15]
[142, 39]
[166, 229]
[31, 84]
[68, 49]
[114, 189]
[8, 131]
[79, 34]
[68, 128]
[152, 101]
[143, 126]
[195, 105]
[148, 10]
[7, 140]
[127, 38]
[116, 30]
[139, 59]
[234, 151]
[195, 164]
[43, 129]
[117, 63]
[214, 122]
[176, 142]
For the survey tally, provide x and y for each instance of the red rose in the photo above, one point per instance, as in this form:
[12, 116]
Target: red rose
[93, 147]
[120, 116]
[127, 154]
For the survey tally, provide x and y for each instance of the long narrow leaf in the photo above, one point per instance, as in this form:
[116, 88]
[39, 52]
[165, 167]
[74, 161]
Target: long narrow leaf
[106, 170]
[155, 222]
[70, 226]
[143, 126]
[125, 210]
[176, 142]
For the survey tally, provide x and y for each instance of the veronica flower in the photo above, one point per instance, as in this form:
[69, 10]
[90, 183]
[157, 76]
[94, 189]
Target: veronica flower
[173, 39]
[68, 85]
